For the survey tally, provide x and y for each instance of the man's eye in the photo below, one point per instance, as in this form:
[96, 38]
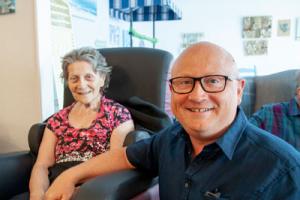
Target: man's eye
[185, 82]
[213, 81]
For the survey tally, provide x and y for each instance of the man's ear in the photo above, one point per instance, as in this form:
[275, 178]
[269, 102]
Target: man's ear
[170, 87]
[240, 89]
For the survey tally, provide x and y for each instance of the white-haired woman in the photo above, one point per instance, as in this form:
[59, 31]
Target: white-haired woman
[93, 124]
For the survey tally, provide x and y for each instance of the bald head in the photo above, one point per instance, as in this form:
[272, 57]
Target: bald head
[205, 55]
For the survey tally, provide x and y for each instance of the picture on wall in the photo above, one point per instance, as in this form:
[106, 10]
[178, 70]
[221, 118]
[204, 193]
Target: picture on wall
[84, 9]
[284, 27]
[257, 27]
[89, 6]
[255, 47]
[188, 39]
[7, 6]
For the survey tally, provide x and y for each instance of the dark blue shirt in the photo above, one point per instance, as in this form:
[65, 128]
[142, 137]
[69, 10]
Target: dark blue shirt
[245, 163]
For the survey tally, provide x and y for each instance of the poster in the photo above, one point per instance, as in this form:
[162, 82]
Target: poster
[7, 6]
[257, 27]
[255, 47]
[284, 27]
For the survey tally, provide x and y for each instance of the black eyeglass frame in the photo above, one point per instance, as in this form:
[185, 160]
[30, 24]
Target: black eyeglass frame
[195, 79]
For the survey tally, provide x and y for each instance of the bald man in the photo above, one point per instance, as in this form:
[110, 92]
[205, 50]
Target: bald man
[212, 152]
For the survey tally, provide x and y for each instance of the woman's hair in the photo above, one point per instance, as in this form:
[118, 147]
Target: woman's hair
[90, 55]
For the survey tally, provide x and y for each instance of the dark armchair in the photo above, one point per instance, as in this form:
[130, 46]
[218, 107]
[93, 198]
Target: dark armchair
[272, 88]
[138, 82]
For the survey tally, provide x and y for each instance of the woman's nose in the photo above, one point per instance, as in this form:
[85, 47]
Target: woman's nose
[82, 82]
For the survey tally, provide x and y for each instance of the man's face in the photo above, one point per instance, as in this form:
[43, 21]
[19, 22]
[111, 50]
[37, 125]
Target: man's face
[206, 116]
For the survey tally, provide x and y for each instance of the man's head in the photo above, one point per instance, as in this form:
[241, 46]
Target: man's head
[207, 109]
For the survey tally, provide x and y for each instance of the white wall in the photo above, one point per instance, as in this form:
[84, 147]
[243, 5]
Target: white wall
[221, 23]
[25, 43]
[20, 101]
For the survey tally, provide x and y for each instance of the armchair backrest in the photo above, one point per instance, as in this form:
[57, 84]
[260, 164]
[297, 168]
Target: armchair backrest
[137, 72]
[140, 72]
[277, 87]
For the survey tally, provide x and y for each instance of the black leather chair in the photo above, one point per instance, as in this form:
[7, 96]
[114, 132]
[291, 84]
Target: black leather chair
[139, 82]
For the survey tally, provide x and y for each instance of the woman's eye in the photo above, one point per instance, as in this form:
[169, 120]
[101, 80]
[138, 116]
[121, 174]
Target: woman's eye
[73, 79]
[89, 77]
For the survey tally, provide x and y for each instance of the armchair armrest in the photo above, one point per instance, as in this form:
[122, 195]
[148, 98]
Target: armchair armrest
[117, 186]
[14, 173]
[135, 136]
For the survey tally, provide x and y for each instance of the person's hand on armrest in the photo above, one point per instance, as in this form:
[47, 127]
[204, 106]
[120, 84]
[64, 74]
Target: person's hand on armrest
[64, 186]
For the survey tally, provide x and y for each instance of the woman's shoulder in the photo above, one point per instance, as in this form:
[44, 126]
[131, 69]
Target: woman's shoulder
[63, 113]
[109, 103]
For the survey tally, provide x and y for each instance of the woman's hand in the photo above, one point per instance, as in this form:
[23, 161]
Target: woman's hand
[61, 189]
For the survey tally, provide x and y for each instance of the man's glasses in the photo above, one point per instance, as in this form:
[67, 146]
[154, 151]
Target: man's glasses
[210, 83]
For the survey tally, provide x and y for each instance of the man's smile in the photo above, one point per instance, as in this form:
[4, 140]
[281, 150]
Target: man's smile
[200, 109]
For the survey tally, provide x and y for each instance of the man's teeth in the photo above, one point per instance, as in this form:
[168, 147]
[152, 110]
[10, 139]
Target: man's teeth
[200, 109]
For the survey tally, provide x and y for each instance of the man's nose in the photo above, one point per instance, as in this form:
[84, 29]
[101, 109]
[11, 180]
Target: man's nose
[197, 91]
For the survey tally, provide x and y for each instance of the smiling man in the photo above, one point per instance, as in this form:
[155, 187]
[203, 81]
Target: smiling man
[212, 151]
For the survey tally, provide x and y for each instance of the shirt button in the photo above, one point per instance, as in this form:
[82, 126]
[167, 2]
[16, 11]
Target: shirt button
[186, 184]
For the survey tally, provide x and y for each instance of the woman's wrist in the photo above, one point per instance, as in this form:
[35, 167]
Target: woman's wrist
[37, 195]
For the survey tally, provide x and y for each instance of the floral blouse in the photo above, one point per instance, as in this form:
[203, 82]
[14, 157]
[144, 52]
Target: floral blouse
[81, 144]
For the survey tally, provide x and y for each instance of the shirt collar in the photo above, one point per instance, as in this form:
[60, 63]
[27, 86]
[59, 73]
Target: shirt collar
[294, 108]
[231, 137]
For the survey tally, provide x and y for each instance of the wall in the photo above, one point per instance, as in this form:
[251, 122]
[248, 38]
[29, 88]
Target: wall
[26, 50]
[19, 77]
[221, 22]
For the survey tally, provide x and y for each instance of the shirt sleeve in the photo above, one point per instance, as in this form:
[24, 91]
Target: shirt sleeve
[120, 114]
[54, 122]
[286, 187]
[258, 118]
[144, 154]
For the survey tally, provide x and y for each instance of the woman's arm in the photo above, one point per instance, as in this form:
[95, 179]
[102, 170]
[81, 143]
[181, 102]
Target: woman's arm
[39, 181]
[64, 185]
[119, 134]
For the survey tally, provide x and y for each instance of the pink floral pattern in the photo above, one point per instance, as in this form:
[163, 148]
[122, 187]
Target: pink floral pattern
[82, 144]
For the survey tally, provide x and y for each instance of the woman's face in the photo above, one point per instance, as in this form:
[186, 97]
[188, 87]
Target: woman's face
[84, 83]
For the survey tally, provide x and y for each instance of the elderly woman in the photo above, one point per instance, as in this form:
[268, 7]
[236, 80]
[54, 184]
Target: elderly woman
[93, 124]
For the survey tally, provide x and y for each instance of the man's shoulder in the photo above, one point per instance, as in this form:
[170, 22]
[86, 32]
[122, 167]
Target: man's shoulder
[172, 131]
[271, 146]
[273, 107]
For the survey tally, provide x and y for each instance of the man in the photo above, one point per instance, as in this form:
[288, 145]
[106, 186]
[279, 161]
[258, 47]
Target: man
[212, 152]
[281, 119]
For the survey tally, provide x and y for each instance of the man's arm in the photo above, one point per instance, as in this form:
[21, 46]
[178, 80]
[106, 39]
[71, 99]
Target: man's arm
[111, 161]
[286, 187]
[259, 117]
